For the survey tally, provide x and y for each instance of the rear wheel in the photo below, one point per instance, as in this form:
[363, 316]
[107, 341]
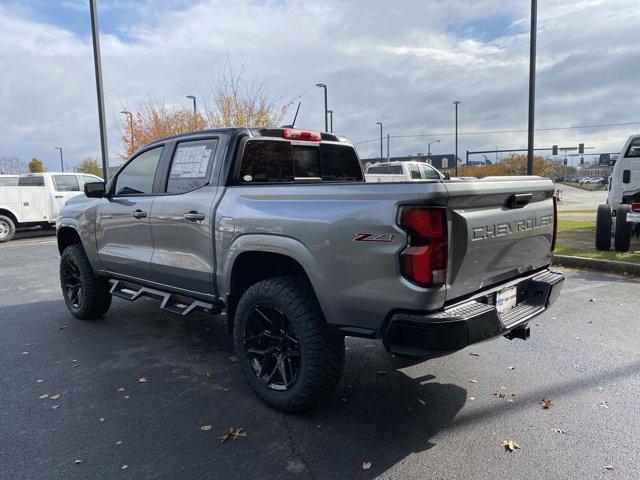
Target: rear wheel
[290, 358]
[603, 227]
[87, 296]
[7, 229]
[622, 238]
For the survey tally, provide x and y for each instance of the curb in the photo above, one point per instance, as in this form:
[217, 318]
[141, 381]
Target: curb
[628, 268]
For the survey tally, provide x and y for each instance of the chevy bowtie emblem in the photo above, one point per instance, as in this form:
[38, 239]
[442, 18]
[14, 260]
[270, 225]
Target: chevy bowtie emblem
[374, 237]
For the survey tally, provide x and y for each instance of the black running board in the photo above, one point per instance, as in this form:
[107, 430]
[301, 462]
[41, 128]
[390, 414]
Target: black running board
[170, 302]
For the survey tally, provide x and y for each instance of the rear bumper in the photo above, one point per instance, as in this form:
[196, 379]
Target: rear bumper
[473, 320]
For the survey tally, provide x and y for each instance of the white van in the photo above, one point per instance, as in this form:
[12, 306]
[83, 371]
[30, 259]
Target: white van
[36, 198]
[401, 172]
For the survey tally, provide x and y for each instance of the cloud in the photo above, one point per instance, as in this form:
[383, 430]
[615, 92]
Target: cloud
[401, 63]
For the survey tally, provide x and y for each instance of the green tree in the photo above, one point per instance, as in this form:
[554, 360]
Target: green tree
[90, 166]
[36, 166]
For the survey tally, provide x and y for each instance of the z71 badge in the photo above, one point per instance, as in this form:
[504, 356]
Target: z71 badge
[374, 237]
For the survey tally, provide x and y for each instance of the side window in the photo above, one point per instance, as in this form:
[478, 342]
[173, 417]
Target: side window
[266, 161]
[191, 165]
[65, 183]
[137, 176]
[414, 172]
[29, 181]
[634, 148]
[430, 173]
[340, 163]
[8, 181]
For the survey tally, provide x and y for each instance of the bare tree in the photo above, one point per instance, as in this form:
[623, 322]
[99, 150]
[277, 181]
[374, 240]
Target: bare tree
[12, 166]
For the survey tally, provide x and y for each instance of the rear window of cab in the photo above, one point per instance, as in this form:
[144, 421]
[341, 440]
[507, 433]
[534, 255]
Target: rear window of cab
[280, 161]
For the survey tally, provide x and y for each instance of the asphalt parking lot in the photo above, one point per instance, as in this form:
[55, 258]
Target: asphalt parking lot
[71, 392]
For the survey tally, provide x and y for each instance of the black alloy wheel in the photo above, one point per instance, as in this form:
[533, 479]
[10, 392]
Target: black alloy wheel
[72, 282]
[272, 348]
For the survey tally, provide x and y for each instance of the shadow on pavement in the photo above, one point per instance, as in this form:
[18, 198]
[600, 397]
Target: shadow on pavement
[35, 232]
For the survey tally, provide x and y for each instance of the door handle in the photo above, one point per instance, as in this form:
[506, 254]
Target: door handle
[193, 216]
[139, 214]
[59, 196]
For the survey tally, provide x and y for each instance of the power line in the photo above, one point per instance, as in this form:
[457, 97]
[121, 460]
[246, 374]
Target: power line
[504, 131]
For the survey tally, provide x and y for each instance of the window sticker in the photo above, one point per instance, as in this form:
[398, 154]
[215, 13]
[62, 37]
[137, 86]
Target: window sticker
[191, 162]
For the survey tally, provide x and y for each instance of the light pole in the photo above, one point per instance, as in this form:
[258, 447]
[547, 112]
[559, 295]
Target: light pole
[326, 110]
[532, 84]
[99, 91]
[380, 123]
[193, 98]
[330, 112]
[456, 103]
[130, 115]
[496, 153]
[61, 160]
[429, 146]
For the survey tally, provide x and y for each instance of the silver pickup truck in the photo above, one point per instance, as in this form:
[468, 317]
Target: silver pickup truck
[278, 229]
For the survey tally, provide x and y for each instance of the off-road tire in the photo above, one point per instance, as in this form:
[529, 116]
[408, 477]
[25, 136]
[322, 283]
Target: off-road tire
[8, 227]
[321, 350]
[622, 237]
[603, 227]
[94, 298]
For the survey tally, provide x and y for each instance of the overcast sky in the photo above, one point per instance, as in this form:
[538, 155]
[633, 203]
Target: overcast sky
[400, 62]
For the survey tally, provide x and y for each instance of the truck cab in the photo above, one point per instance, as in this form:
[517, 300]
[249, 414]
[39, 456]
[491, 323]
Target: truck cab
[401, 172]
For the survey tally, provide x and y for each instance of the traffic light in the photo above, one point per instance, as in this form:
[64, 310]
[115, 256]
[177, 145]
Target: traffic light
[554, 150]
[581, 148]
[582, 160]
[565, 161]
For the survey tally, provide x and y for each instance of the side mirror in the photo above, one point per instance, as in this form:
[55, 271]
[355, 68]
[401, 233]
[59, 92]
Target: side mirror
[446, 176]
[94, 189]
[605, 160]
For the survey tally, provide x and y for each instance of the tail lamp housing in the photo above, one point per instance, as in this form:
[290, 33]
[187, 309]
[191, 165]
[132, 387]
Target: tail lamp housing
[424, 260]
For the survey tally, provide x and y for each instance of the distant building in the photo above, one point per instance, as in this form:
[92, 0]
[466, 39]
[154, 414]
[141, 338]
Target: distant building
[441, 162]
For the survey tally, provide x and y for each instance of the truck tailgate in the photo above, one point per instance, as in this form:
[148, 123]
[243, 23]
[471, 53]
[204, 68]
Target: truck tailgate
[492, 236]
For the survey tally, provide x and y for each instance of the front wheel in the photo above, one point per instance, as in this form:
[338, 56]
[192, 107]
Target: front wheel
[603, 227]
[7, 229]
[288, 355]
[87, 296]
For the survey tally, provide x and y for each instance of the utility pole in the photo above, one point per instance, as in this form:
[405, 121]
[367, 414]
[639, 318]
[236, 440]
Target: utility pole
[380, 123]
[456, 103]
[99, 91]
[61, 160]
[532, 84]
[326, 108]
[388, 140]
[429, 147]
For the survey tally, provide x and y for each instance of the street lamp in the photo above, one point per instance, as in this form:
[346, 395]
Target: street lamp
[429, 146]
[97, 65]
[330, 112]
[456, 103]
[61, 160]
[130, 115]
[193, 98]
[380, 123]
[326, 110]
[532, 84]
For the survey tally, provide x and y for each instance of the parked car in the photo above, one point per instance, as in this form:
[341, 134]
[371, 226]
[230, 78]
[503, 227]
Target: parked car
[36, 199]
[278, 228]
[401, 172]
[620, 216]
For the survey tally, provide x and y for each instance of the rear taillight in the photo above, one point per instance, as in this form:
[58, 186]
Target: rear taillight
[424, 260]
[297, 134]
[555, 223]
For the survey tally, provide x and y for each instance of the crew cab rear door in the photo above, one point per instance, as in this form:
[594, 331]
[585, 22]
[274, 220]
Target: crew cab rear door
[499, 228]
[182, 217]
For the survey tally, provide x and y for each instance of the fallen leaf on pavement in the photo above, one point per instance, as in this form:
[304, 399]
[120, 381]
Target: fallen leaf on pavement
[512, 368]
[126, 396]
[546, 403]
[55, 397]
[381, 372]
[142, 380]
[102, 419]
[472, 398]
[473, 381]
[422, 402]
[604, 405]
[366, 465]
[559, 430]
[205, 428]
[474, 354]
[499, 395]
[233, 434]
[44, 396]
[119, 442]
[208, 374]
[608, 466]
[510, 445]
[25, 353]
[124, 467]
[121, 389]
[76, 461]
